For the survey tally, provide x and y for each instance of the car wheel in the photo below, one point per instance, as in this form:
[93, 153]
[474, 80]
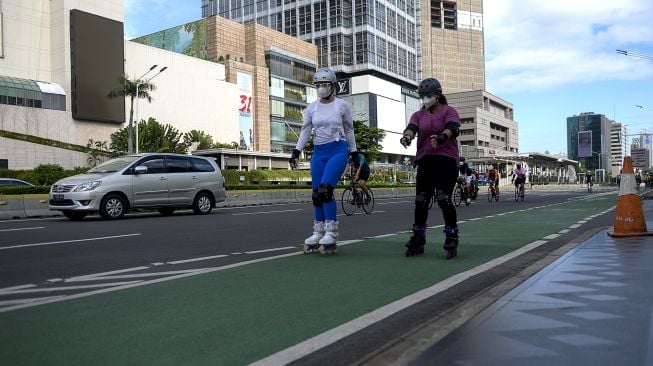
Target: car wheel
[112, 207]
[166, 211]
[203, 204]
[74, 215]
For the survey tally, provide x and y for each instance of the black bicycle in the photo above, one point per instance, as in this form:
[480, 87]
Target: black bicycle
[493, 192]
[459, 195]
[519, 192]
[353, 197]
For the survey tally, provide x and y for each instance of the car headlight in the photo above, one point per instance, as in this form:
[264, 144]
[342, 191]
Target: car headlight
[84, 187]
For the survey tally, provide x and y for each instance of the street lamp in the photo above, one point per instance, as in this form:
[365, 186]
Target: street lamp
[634, 54]
[138, 84]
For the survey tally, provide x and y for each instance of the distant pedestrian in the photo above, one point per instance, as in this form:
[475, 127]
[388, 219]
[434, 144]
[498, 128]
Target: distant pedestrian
[436, 126]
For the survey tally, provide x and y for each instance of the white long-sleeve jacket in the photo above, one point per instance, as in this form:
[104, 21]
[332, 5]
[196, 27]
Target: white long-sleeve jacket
[329, 122]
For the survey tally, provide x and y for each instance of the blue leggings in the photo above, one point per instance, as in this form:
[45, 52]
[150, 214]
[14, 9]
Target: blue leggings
[327, 164]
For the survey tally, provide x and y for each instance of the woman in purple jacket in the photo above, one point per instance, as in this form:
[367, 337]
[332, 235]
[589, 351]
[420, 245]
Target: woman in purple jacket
[436, 126]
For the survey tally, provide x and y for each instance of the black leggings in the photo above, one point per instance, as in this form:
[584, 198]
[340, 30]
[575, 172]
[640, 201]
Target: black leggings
[436, 175]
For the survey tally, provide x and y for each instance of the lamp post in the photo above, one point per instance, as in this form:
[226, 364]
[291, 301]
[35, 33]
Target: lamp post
[138, 85]
[634, 54]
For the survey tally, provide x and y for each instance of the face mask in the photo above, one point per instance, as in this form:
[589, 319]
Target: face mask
[429, 102]
[324, 91]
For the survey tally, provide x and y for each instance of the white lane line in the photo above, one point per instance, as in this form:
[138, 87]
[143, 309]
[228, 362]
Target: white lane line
[155, 264]
[392, 203]
[140, 275]
[198, 259]
[380, 236]
[50, 289]
[331, 336]
[551, 237]
[53, 280]
[574, 226]
[362, 213]
[564, 231]
[24, 228]
[264, 212]
[26, 301]
[102, 274]
[9, 289]
[68, 241]
[269, 250]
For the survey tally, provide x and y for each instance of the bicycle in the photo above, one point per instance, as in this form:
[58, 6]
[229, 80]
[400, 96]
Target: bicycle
[459, 192]
[354, 198]
[492, 192]
[589, 187]
[519, 192]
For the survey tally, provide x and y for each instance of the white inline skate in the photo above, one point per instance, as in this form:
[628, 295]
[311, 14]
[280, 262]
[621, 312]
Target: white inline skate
[328, 241]
[312, 243]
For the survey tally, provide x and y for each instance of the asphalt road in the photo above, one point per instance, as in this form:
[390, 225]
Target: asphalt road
[43, 252]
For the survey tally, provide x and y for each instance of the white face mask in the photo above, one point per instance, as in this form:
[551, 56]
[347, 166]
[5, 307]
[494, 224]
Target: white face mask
[429, 102]
[324, 91]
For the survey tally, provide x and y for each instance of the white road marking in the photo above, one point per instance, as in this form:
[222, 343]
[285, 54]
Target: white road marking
[264, 212]
[551, 237]
[68, 241]
[53, 280]
[139, 275]
[29, 300]
[50, 289]
[24, 228]
[9, 289]
[380, 236]
[564, 231]
[574, 226]
[102, 274]
[158, 264]
[198, 259]
[269, 250]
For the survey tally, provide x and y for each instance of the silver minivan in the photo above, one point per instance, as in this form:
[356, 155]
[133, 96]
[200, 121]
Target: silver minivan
[155, 181]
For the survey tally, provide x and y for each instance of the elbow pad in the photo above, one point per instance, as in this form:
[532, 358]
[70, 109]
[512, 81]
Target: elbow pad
[412, 127]
[454, 128]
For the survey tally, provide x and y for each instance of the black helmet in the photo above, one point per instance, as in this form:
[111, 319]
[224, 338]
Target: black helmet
[428, 86]
[462, 158]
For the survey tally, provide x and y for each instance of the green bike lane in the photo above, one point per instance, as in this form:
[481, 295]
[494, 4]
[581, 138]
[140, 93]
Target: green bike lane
[243, 314]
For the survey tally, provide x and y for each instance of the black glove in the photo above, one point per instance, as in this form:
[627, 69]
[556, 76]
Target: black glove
[405, 141]
[354, 156]
[441, 138]
[294, 157]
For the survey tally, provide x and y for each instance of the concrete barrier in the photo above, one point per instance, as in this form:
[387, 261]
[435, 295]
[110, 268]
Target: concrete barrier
[11, 207]
[36, 205]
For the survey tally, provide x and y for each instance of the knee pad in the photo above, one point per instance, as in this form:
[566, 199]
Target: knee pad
[443, 199]
[422, 200]
[325, 192]
[317, 199]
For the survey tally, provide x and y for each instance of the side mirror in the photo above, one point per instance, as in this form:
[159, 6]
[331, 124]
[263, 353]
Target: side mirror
[141, 169]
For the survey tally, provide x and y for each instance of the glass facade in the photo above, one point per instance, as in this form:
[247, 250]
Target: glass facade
[291, 91]
[28, 93]
[188, 39]
[351, 35]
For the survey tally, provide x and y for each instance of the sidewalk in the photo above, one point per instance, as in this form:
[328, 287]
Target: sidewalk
[591, 306]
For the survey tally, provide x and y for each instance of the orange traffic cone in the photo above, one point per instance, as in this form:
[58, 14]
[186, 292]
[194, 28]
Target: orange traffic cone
[629, 217]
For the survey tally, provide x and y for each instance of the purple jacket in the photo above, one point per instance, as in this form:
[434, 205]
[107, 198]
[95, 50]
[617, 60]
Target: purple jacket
[433, 124]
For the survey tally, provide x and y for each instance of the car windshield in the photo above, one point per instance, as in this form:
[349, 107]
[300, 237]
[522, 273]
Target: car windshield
[114, 165]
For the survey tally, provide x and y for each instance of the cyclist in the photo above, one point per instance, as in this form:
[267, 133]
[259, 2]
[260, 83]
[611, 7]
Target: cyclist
[588, 180]
[466, 173]
[519, 176]
[361, 174]
[492, 177]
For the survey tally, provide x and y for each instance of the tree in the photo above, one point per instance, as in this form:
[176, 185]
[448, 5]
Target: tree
[127, 89]
[152, 137]
[367, 141]
[204, 140]
[97, 150]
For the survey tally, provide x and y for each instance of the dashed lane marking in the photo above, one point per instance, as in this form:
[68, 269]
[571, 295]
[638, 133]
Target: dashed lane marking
[68, 241]
[24, 228]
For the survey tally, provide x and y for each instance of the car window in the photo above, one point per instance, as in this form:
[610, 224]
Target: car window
[113, 165]
[201, 165]
[177, 164]
[12, 182]
[154, 166]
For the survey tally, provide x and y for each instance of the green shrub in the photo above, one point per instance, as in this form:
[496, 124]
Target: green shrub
[47, 174]
[24, 190]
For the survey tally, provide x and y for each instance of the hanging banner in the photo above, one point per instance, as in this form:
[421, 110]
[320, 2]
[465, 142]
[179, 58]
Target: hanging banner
[245, 111]
[584, 144]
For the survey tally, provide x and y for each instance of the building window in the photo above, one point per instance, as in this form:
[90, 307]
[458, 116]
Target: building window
[261, 5]
[392, 24]
[336, 49]
[277, 108]
[401, 5]
[380, 17]
[403, 62]
[346, 16]
[381, 53]
[322, 51]
[401, 29]
[371, 54]
[248, 7]
[412, 66]
[392, 57]
[291, 22]
[223, 8]
[444, 14]
[349, 49]
[363, 12]
[236, 9]
[361, 48]
[276, 21]
[262, 20]
[320, 11]
[411, 35]
[410, 8]
[335, 14]
[305, 20]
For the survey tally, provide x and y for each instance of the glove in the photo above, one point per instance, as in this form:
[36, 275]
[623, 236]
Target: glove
[354, 156]
[440, 138]
[405, 141]
[294, 157]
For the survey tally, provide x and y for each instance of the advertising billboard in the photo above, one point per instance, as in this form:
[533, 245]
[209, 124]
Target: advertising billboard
[584, 144]
[245, 111]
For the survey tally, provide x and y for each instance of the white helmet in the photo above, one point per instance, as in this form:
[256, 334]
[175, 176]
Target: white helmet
[491, 167]
[324, 75]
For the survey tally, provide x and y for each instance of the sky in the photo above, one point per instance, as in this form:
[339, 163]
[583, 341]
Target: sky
[550, 59]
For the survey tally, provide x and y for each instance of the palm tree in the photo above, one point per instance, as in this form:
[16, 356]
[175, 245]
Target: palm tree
[127, 88]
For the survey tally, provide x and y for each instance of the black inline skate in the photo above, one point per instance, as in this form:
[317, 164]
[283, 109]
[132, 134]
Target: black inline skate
[415, 245]
[451, 242]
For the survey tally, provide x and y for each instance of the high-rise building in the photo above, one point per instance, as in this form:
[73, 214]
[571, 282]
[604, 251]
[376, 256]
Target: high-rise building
[451, 45]
[588, 140]
[618, 146]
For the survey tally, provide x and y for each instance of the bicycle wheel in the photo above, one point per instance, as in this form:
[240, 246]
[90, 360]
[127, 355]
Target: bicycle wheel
[348, 202]
[521, 194]
[490, 196]
[516, 194]
[368, 205]
[496, 193]
[457, 195]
